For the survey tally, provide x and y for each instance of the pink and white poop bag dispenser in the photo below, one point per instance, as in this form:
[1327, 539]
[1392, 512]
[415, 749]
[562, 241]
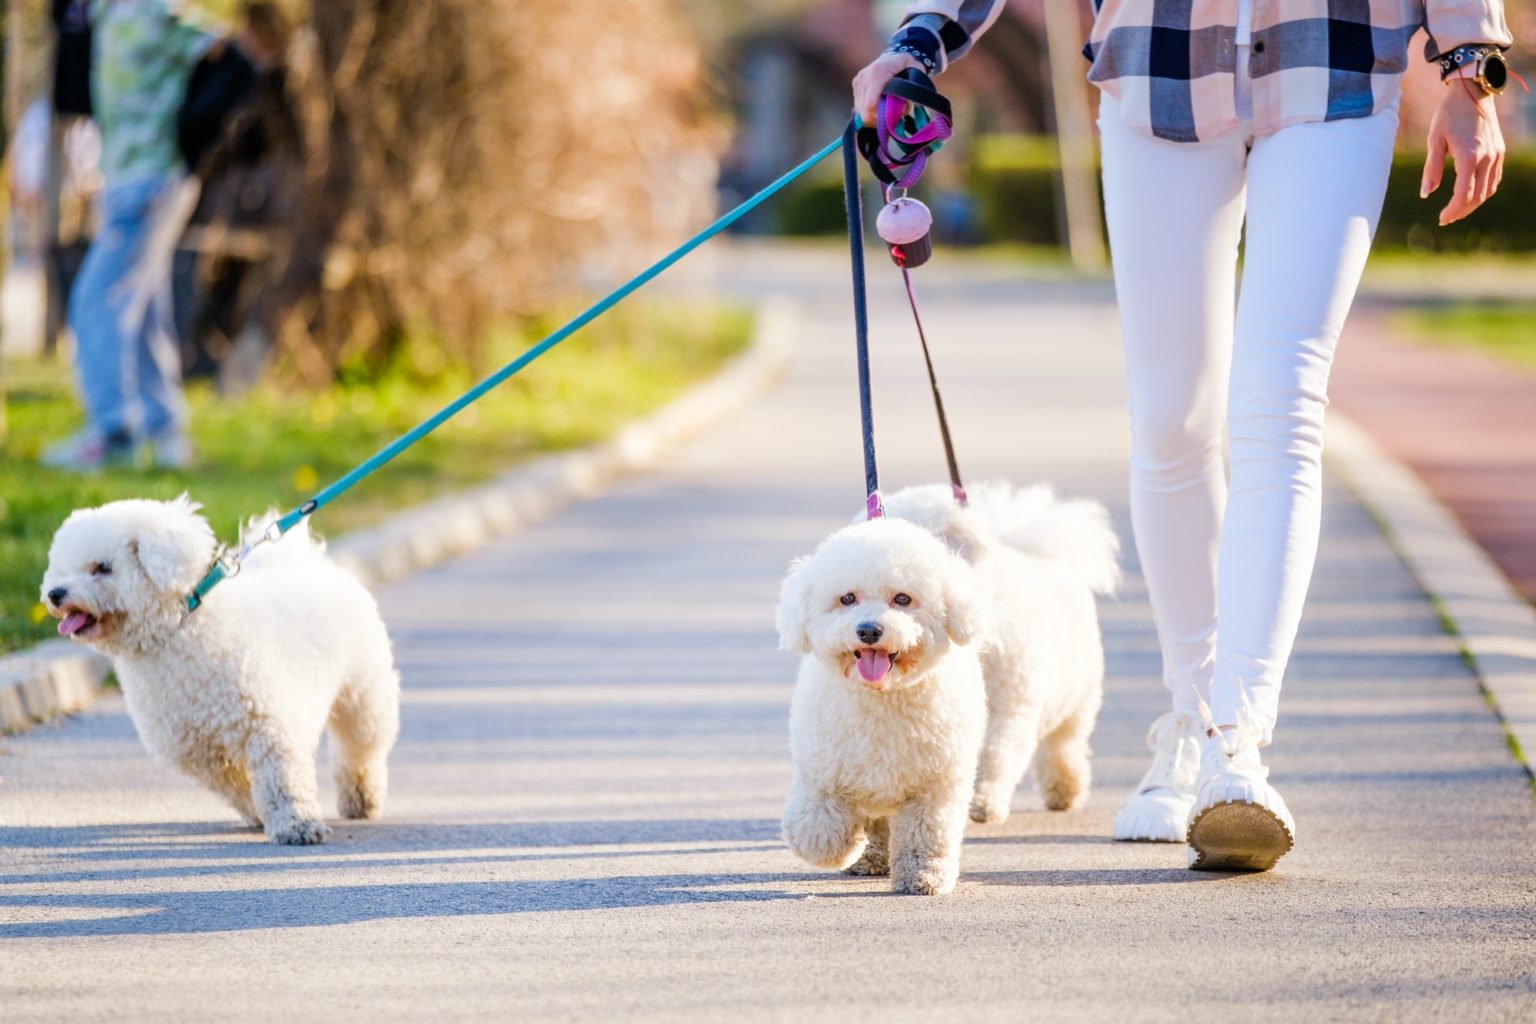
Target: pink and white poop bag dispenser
[905, 225]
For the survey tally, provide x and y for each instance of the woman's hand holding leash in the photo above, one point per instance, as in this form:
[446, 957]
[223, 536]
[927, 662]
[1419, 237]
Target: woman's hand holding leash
[1465, 127]
[871, 82]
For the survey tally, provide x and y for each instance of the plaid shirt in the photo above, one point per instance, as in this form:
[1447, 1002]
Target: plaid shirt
[1171, 63]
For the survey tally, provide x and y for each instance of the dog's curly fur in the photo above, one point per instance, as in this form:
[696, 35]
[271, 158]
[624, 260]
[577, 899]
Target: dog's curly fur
[1041, 561]
[889, 708]
[238, 693]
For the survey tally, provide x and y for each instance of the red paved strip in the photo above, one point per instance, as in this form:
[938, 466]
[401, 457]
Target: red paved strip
[1465, 422]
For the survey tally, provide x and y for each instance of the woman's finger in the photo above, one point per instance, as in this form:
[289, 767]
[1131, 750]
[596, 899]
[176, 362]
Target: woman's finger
[867, 96]
[1461, 192]
[870, 83]
[1434, 166]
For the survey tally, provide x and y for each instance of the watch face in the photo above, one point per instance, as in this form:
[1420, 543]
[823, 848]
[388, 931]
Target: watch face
[1495, 72]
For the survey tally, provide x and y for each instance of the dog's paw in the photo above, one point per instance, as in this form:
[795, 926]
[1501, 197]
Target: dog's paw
[935, 879]
[360, 789]
[823, 834]
[832, 852]
[300, 833]
[871, 863]
[1063, 799]
[353, 803]
[988, 809]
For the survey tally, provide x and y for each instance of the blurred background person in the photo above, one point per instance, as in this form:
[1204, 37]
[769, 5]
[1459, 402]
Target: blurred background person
[126, 358]
[239, 133]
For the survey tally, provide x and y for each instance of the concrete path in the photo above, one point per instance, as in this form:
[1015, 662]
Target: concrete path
[584, 816]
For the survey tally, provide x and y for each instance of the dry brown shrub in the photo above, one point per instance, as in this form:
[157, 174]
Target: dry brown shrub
[468, 159]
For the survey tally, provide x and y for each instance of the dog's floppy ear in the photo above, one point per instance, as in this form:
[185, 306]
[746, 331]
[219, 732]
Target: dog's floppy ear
[175, 546]
[794, 613]
[964, 608]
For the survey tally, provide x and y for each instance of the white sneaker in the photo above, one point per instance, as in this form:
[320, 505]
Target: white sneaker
[1158, 812]
[90, 451]
[1239, 823]
[171, 450]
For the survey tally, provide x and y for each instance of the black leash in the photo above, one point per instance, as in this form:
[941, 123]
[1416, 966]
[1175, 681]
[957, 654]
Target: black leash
[851, 199]
[912, 121]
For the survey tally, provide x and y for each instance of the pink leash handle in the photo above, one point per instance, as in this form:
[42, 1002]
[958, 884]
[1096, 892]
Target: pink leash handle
[898, 159]
[913, 149]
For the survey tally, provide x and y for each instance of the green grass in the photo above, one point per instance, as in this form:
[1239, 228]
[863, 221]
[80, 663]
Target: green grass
[276, 446]
[1506, 330]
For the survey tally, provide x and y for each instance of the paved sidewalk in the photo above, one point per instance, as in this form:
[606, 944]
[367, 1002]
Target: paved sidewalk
[583, 823]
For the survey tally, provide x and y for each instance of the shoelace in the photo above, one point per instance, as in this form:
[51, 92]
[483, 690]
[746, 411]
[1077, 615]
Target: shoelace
[1234, 741]
[1166, 740]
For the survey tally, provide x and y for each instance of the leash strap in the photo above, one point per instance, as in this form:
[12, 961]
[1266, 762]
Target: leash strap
[228, 566]
[851, 198]
[955, 483]
[913, 120]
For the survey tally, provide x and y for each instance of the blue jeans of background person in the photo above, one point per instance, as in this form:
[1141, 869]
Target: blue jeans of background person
[130, 372]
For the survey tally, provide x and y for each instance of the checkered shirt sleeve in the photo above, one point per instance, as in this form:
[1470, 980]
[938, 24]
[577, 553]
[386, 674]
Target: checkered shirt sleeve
[1171, 63]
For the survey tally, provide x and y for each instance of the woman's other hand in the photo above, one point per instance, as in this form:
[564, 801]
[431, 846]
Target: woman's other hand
[870, 83]
[1466, 127]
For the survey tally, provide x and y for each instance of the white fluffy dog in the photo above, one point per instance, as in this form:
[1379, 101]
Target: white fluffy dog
[890, 706]
[1041, 561]
[237, 693]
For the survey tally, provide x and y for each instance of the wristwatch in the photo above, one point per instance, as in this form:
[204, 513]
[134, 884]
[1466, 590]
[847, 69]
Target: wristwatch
[1487, 65]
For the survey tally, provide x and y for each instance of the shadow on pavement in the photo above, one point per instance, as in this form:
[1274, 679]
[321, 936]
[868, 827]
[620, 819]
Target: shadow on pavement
[1096, 876]
[163, 913]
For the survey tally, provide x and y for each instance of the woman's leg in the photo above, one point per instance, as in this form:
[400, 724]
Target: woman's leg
[111, 353]
[157, 364]
[1314, 197]
[95, 308]
[1315, 194]
[1174, 212]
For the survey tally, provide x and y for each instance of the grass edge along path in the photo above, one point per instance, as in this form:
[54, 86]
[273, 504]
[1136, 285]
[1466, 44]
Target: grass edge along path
[274, 447]
[1506, 330]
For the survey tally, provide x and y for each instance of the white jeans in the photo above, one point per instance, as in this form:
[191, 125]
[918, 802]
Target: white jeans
[1228, 554]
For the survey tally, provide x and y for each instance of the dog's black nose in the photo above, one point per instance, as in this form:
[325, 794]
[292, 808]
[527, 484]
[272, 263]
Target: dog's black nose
[57, 595]
[868, 632]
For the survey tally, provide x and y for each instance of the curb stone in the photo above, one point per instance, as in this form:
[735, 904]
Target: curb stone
[54, 678]
[1495, 625]
[58, 677]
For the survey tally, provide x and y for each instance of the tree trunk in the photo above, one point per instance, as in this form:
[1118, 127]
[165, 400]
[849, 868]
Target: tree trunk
[1074, 136]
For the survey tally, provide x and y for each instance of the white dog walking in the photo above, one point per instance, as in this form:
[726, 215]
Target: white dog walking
[1041, 561]
[889, 708]
[238, 693]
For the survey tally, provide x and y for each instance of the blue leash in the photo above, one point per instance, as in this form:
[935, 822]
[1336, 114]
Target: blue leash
[227, 567]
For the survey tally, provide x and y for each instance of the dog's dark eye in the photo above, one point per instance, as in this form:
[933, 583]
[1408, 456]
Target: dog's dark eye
[902, 600]
[101, 569]
[848, 599]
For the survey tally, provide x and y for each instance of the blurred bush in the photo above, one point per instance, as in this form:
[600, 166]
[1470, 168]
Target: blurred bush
[1013, 180]
[811, 206]
[1505, 224]
[467, 160]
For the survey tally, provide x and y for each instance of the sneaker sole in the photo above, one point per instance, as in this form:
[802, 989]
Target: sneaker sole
[1238, 836]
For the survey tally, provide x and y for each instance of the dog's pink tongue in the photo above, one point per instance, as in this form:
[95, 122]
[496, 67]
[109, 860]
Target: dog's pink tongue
[873, 664]
[73, 623]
